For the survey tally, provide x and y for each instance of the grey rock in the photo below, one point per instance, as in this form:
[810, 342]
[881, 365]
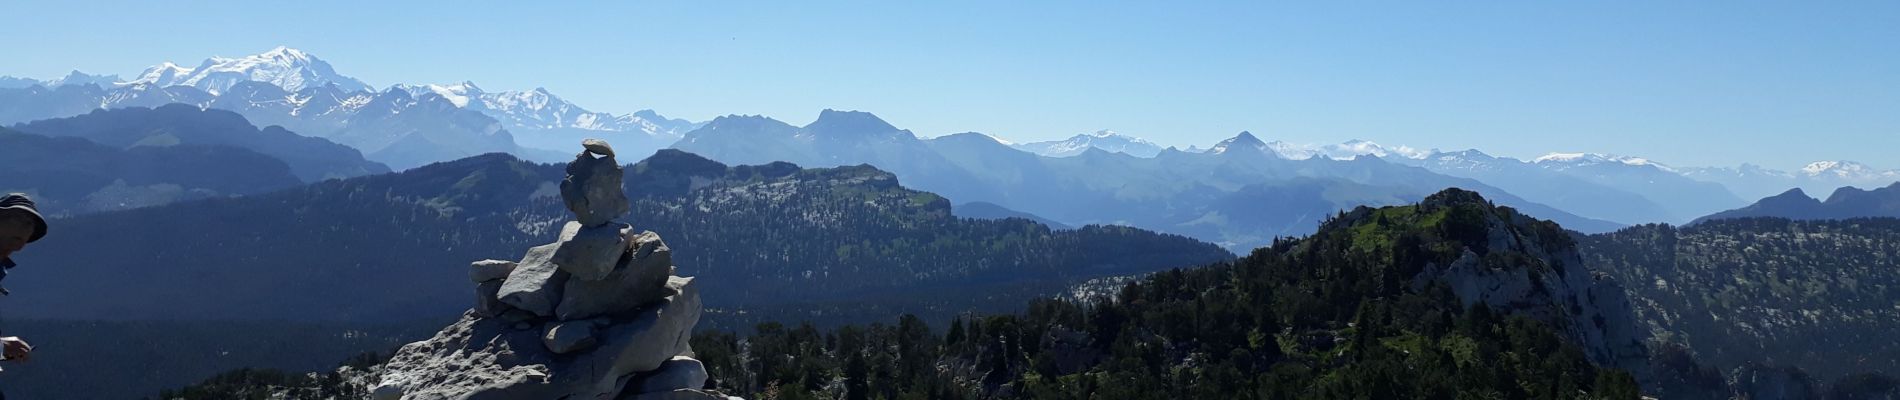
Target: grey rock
[590, 253]
[535, 285]
[487, 301]
[386, 392]
[569, 337]
[675, 374]
[592, 190]
[655, 334]
[639, 279]
[488, 270]
[483, 358]
[597, 146]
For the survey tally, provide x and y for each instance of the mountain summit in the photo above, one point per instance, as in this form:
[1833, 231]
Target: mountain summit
[285, 67]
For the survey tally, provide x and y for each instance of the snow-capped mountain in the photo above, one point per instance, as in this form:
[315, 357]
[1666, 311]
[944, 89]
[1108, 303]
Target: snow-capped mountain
[285, 67]
[1345, 151]
[539, 109]
[1245, 141]
[1548, 186]
[1680, 195]
[1754, 181]
[542, 120]
[1562, 161]
[1106, 140]
[1847, 170]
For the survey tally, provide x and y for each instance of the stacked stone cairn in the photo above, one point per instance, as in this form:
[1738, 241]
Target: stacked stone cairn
[598, 314]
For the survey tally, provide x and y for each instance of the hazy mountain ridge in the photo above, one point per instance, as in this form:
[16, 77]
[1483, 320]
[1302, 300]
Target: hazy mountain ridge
[857, 233]
[70, 175]
[1204, 195]
[1846, 202]
[310, 158]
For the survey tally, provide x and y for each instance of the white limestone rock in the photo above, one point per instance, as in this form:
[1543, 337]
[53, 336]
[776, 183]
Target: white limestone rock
[590, 253]
[639, 279]
[535, 285]
[488, 270]
[675, 374]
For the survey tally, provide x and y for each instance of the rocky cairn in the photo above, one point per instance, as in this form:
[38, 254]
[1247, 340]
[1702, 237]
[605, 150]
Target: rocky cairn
[598, 314]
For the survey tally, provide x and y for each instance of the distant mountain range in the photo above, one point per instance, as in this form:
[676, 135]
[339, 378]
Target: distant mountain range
[1239, 193]
[1104, 140]
[1844, 203]
[409, 125]
[403, 126]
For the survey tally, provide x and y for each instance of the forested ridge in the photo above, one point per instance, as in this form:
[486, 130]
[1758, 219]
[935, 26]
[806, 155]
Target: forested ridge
[1329, 316]
[1820, 295]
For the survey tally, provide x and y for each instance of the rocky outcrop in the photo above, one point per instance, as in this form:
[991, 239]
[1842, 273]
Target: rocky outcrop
[1522, 266]
[596, 315]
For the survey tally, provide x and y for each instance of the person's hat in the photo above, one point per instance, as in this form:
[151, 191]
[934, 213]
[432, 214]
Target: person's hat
[19, 202]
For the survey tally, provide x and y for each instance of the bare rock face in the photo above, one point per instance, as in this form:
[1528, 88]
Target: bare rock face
[596, 315]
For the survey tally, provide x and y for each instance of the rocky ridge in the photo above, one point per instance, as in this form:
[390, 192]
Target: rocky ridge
[598, 314]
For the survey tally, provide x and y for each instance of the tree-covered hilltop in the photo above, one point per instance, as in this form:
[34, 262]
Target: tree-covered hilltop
[1368, 307]
[1823, 296]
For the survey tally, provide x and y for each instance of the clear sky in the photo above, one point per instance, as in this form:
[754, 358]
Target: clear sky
[1777, 83]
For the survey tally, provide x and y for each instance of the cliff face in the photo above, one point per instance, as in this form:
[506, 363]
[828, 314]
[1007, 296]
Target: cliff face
[598, 314]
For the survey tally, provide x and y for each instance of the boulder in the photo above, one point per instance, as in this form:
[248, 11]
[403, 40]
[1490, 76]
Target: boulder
[639, 279]
[655, 334]
[488, 270]
[487, 301]
[590, 253]
[592, 189]
[485, 358]
[675, 374]
[535, 285]
[597, 146]
[386, 392]
[570, 336]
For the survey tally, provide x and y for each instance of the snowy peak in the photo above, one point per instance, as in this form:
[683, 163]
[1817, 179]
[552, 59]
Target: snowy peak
[1583, 159]
[1349, 150]
[1846, 170]
[1105, 140]
[1245, 140]
[288, 68]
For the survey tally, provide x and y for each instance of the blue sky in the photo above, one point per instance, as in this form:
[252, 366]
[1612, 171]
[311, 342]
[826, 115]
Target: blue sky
[1715, 83]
